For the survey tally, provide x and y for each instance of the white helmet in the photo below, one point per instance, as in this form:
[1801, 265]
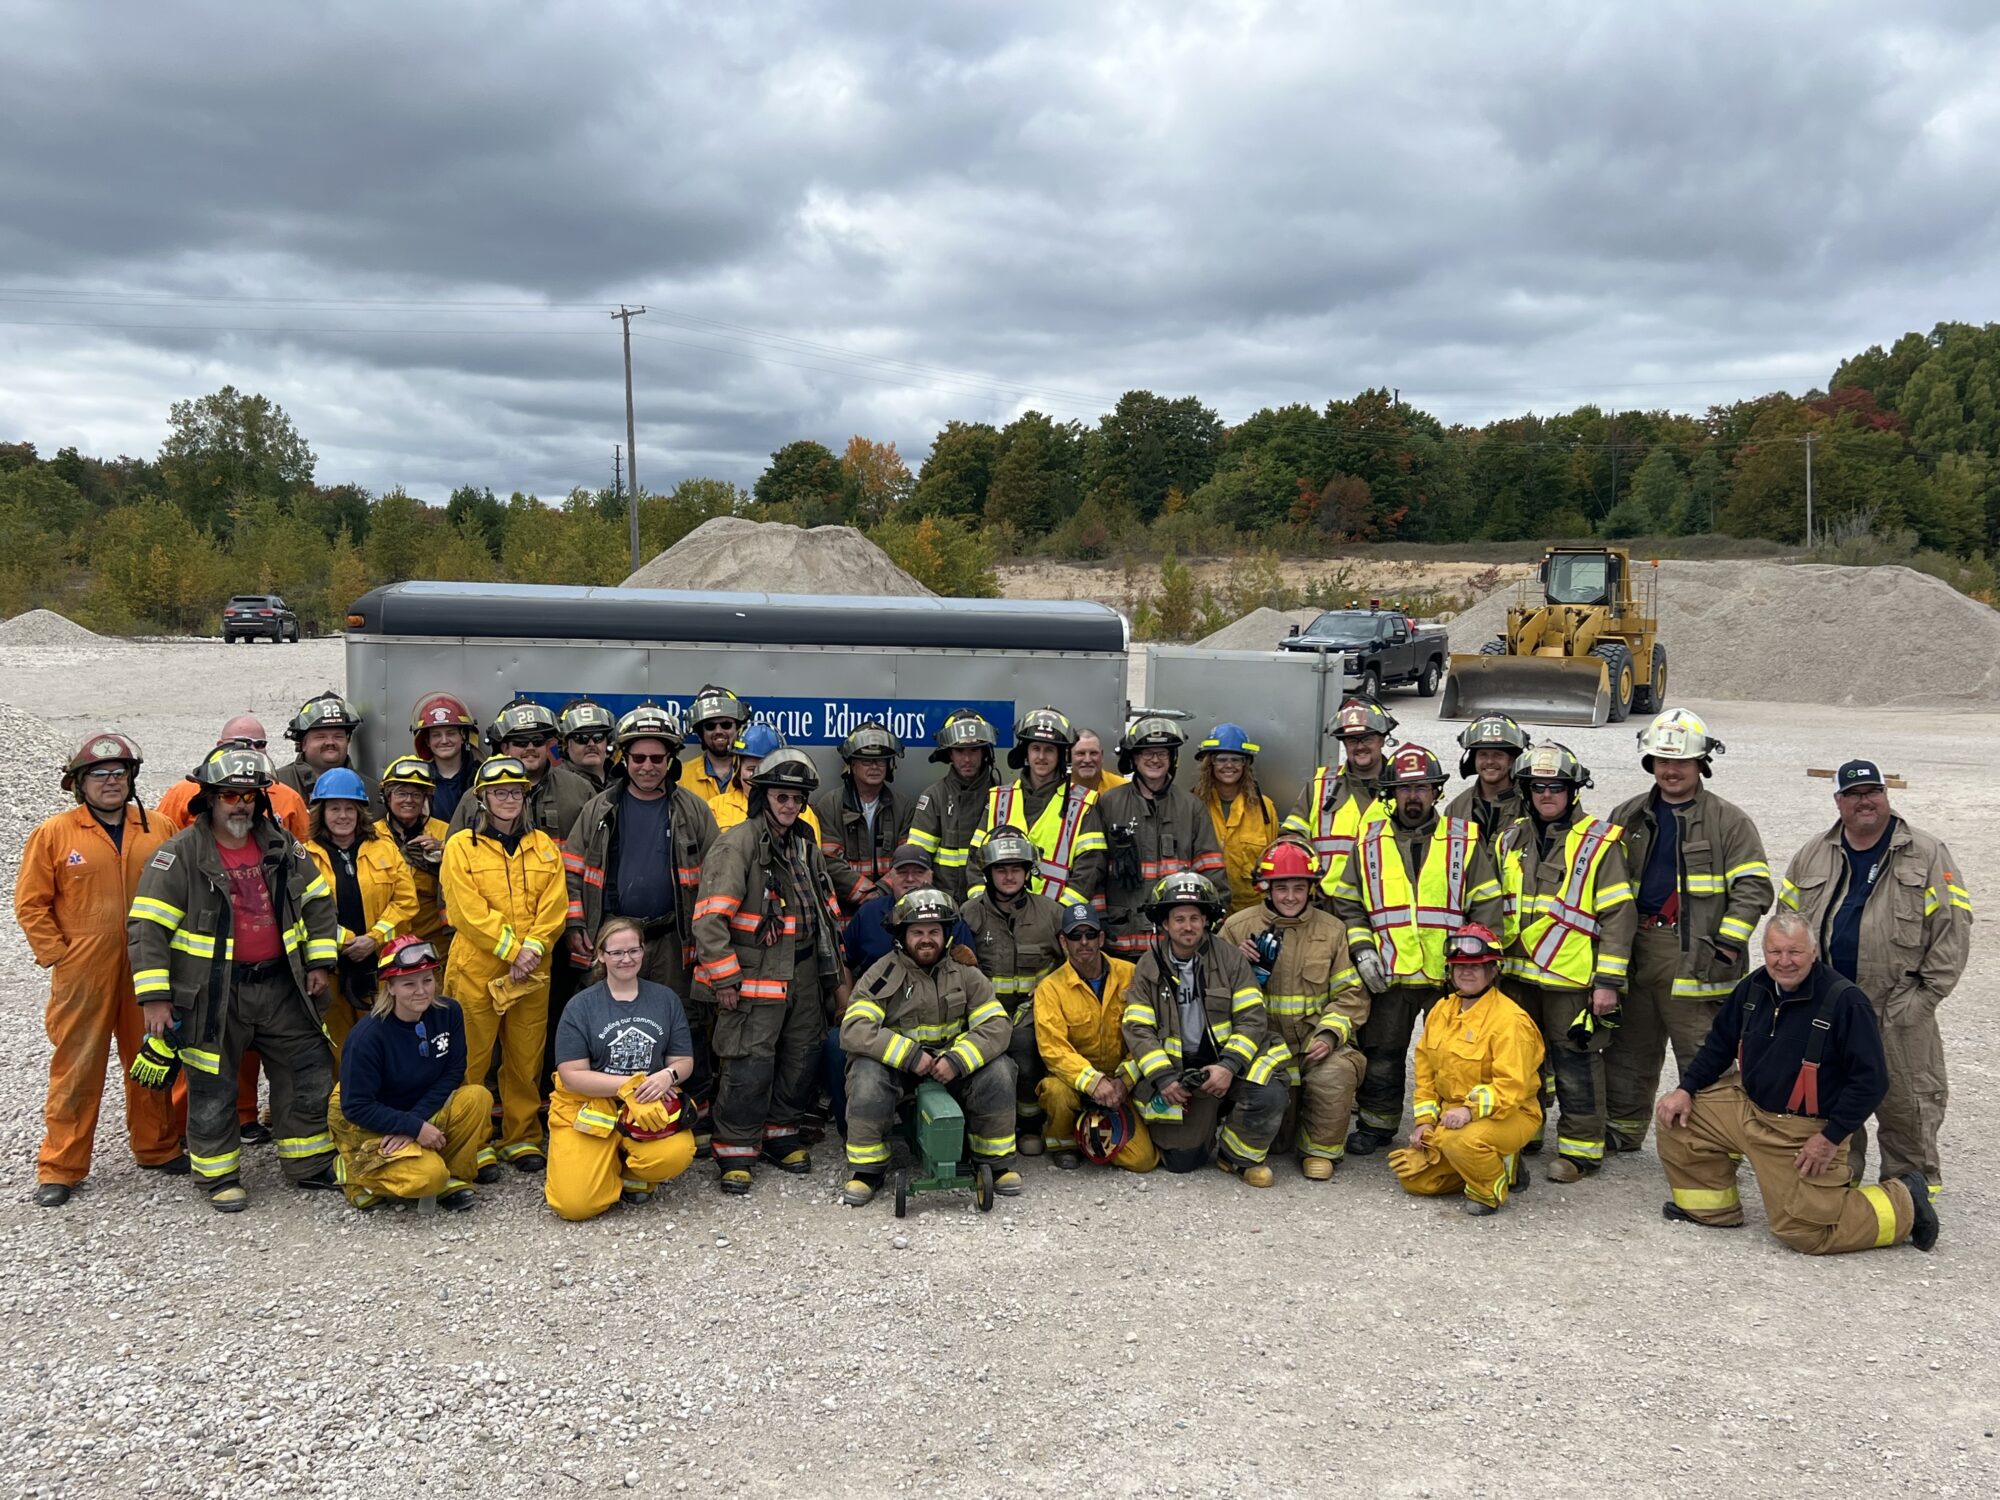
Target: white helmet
[1677, 735]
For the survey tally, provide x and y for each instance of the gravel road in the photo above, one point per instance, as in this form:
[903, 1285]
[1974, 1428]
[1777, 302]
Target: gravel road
[1101, 1336]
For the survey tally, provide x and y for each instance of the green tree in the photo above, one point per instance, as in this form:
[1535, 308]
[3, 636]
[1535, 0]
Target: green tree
[458, 554]
[1659, 494]
[399, 527]
[1038, 478]
[665, 519]
[1708, 492]
[807, 478]
[228, 447]
[45, 498]
[151, 565]
[346, 580]
[1147, 445]
[334, 509]
[958, 472]
[945, 556]
[480, 513]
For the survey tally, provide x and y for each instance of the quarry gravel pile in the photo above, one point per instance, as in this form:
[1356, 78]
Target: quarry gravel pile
[768, 557]
[29, 771]
[1260, 630]
[44, 627]
[1808, 633]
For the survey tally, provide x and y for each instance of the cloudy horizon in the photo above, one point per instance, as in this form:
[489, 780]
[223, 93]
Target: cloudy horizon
[409, 227]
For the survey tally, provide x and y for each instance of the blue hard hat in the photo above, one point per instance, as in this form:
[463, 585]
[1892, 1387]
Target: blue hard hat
[1227, 739]
[339, 785]
[758, 741]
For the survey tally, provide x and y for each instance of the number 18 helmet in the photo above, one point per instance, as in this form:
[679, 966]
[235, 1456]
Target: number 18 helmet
[1185, 888]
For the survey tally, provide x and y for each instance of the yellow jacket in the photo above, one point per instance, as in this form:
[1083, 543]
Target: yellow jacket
[696, 778]
[388, 894]
[1487, 1058]
[1106, 780]
[1245, 832]
[1081, 1037]
[429, 920]
[499, 903]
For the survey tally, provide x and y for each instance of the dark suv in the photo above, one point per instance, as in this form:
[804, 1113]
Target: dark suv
[247, 616]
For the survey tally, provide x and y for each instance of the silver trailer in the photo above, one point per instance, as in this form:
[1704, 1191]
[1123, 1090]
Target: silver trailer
[1283, 699]
[813, 667]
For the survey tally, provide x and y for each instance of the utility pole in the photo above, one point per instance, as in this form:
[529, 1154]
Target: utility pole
[625, 315]
[1809, 515]
[618, 471]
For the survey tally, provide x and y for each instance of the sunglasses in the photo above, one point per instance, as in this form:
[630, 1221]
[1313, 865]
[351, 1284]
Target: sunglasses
[1548, 786]
[593, 738]
[243, 744]
[235, 799]
[639, 759]
[786, 799]
[535, 742]
[1086, 935]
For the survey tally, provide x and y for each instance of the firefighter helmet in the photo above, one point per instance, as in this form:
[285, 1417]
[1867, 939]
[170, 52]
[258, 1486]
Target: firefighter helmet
[586, 716]
[1103, 1130]
[1472, 944]
[785, 770]
[1151, 732]
[1491, 732]
[872, 741]
[522, 718]
[1288, 858]
[410, 770]
[441, 711]
[501, 770]
[235, 768]
[1553, 761]
[713, 703]
[408, 955]
[651, 721]
[755, 741]
[928, 904]
[1046, 726]
[339, 785]
[105, 747]
[1228, 739]
[1185, 888]
[1413, 765]
[1358, 716]
[1007, 846]
[965, 729]
[327, 710]
[1678, 735]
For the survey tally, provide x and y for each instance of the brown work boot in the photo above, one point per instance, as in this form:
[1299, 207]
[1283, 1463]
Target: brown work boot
[1318, 1168]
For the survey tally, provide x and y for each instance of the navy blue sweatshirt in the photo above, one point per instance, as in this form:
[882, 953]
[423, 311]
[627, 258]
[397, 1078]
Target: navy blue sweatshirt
[1772, 1031]
[394, 1075]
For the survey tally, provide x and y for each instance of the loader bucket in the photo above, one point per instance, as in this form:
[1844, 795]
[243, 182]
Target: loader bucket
[1534, 689]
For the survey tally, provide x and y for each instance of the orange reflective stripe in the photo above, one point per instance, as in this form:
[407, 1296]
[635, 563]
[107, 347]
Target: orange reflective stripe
[765, 989]
[717, 906]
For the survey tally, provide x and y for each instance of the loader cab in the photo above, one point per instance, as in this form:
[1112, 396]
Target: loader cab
[1583, 578]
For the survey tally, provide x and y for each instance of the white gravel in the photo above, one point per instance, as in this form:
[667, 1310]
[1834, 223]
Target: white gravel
[1101, 1336]
[44, 627]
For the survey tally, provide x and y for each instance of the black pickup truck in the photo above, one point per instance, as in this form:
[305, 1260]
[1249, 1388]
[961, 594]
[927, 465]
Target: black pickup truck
[1383, 648]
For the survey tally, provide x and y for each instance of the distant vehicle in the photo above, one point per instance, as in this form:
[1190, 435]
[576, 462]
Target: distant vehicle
[246, 617]
[1384, 648]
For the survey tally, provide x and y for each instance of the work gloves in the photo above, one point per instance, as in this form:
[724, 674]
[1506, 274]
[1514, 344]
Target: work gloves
[1368, 964]
[158, 1063]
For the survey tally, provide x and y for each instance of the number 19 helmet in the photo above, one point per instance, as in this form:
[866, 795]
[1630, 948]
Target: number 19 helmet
[965, 730]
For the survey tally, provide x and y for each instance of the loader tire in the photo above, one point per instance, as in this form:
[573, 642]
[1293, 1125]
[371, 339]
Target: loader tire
[1652, 697]
[1618, 668]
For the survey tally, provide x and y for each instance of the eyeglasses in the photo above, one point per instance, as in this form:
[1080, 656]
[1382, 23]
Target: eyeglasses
[235, 799]
[634, 757]
[1548, 786]
[592, 738]
[106, 773]
[505, 791]
[623, 954]
[786, 799]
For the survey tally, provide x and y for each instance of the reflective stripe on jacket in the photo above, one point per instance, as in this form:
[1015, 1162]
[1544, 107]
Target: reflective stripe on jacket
[1723, 882]
[499, 904]
[429, 920]
[1244, 1042]
[1015, 946]
[592, 848]
[745, 878]
[844, 831]
[1407, 922]
[1569, 918]
[942, 823]
[1313, 988]
[1331, 812]
[1165, 834]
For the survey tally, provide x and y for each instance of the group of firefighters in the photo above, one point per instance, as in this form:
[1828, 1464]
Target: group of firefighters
[648, 958]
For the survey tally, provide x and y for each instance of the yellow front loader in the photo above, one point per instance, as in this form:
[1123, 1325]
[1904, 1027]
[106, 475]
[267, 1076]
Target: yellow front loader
[1585, 652]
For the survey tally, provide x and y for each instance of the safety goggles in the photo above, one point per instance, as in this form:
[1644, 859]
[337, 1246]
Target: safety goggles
[106, 773]
[411, 958]
[1472, 948]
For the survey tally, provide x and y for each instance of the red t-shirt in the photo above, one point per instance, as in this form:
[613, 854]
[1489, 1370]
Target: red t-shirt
[250, 920]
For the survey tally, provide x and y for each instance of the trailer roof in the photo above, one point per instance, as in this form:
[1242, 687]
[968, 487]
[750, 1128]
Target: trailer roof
[561, 612]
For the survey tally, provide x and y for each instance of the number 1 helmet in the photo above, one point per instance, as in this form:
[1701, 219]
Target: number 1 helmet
[1185, 888]
[1491, 732]
[651, 721]
[1678, 735]
[1046, 726]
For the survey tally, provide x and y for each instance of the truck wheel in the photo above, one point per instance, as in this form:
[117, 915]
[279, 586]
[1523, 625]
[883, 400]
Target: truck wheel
[1427, 685]
[1652, 697]
[1371, 684]
[1618, 667]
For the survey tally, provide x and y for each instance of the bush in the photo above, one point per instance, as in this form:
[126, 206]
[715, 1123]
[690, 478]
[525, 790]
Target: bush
[945, 556]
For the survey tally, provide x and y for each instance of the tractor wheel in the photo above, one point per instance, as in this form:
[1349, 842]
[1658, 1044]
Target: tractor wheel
[1618, 667]
[1493, 648]
[902, 1195]
[1427, 685]
[982, 1188]
[1651, 698]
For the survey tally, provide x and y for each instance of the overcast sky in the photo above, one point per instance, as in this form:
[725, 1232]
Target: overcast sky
[407, 224]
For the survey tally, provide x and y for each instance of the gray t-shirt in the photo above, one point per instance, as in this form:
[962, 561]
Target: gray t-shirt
[624, 1037]
[645, 873]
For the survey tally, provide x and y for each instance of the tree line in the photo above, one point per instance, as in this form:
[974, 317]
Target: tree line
[1902, 446]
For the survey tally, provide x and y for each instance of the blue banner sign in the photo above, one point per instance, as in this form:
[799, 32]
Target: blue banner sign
[825, 721]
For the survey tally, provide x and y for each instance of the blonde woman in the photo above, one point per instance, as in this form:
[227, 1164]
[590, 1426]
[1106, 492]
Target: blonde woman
[1246, 821]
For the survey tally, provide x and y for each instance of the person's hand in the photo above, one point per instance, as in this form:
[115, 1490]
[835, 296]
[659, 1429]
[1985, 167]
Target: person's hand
[316, 983]
[1217, 1081]
[1815, 1156]
[1418, 1136]
[159, 1016]
[657, 1085]
[1456, 1118]
[580, 948]
[1319, 1048]
[1174, 1094]
[524, 964]
[425, 845]
[1368, 964]
[944, 1070]
[727, 997]
[1603, 1001]
[359, 947]
[1109, 1092]
[924, 1063]
[842, 993]
[1674, 1109]
[1249, 950]
[430, 1137]
[391, 1144]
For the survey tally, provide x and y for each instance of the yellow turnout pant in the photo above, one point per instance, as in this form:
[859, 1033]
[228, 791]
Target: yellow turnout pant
[588, 1172]
[1477, 1158]
[366, 1175]
[520, 1033]
[1063, 1106]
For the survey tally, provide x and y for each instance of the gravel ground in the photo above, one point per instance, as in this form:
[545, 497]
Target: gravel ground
[1101, 1336]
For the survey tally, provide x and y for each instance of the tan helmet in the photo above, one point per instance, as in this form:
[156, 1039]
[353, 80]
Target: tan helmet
[1552, 761]
[586, 716]
[651, 721]
[1678, 734]
[105, 747]
[1359, 716]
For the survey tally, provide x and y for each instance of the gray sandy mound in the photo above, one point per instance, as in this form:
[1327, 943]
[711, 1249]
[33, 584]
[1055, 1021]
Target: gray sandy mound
[44, 627]
[1260, 630]
[1807, 633]
[29, 775]
[768, 557]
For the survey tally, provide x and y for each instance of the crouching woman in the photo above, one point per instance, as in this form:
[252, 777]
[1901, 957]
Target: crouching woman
[405, 1121]
[616, 1123]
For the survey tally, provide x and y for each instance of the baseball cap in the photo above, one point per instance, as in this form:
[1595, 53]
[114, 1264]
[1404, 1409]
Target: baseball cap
[1855, 774]
[909, 854]
[1077, 917]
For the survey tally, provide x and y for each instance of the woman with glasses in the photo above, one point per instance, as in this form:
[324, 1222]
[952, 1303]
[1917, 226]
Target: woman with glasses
[405, 1121]
[617, 1128]
[373, 892]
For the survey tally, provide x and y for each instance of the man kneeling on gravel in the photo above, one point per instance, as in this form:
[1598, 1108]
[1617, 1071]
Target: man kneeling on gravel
[1812, 1072]
[919, 1013]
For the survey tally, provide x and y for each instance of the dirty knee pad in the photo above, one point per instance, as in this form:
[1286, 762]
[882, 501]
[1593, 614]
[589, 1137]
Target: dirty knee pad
[1182, 1159]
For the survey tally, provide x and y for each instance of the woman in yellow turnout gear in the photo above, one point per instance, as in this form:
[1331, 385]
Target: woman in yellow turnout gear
[506, 895]
[372, 891]
[617, 1125]
[1478, 1083]
[1246, 821]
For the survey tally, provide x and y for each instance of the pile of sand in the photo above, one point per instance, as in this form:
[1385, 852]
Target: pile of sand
[1260, 630]
[1807, 633]
[768, 557]
[30, 771]
[44, 627]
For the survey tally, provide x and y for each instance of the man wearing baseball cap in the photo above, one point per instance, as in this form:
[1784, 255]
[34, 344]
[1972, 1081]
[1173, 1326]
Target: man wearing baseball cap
[1888, 907]
[1079, 1011]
